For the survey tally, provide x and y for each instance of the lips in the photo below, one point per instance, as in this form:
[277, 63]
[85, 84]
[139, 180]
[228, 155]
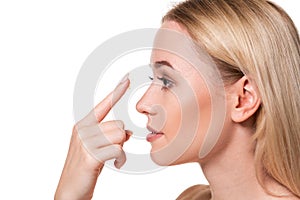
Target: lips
[154, 135]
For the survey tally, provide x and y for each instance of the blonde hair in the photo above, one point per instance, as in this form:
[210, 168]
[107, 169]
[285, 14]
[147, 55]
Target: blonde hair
[256, 38]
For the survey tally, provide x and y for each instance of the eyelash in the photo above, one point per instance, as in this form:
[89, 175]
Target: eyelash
[167, 84]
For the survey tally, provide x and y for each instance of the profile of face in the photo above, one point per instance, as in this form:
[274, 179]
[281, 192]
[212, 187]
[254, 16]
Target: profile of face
[178, 106]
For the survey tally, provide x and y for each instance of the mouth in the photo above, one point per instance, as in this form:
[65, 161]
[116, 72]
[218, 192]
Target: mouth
[153, 135]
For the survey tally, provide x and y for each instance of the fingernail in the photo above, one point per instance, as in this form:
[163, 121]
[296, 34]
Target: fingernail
[124, 79]
[129, 132]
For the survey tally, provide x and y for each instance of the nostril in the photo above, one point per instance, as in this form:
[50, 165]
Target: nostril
[135, 108]
[139, 107]
[142, 108]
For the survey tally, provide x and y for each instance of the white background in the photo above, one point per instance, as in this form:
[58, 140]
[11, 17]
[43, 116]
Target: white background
[42, 47]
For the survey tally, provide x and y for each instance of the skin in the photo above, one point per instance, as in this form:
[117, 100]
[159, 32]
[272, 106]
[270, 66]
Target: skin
[84, 163]
[174, 100]
[229, 167]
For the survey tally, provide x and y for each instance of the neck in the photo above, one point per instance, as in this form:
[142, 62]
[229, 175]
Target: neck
[231, 171]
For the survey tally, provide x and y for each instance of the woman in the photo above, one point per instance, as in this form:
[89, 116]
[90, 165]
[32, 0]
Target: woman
[255, 46]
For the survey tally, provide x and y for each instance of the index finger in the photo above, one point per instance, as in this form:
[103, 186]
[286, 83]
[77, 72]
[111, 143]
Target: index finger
[102, 109]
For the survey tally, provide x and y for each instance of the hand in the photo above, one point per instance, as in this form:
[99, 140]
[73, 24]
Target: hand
[93, 143]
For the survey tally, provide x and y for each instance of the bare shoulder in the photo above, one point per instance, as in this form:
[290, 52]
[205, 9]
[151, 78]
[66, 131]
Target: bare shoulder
[196, 192]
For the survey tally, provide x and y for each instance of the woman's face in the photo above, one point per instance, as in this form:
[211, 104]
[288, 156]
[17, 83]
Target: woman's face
[178, 107]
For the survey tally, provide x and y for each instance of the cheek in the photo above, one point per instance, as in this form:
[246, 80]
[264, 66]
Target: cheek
[203, 124]
[187, 116]
[173, 119]
[188, 119]
[168, 119]
[196, 125]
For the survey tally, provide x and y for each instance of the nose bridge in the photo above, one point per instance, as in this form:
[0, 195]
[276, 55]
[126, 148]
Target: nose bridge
[144, 104]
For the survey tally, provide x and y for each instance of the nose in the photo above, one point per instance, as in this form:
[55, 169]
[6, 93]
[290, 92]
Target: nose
[144, 104]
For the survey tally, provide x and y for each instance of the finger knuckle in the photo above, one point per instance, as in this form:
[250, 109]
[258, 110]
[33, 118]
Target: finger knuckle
[118, 151]
[120, 136]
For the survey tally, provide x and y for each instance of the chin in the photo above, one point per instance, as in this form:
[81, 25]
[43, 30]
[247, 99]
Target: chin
[163, 158]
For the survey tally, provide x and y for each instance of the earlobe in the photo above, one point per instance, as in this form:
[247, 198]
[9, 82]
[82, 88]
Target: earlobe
[247, 100]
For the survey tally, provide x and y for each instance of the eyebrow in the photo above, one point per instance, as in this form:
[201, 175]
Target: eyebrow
[161, 63]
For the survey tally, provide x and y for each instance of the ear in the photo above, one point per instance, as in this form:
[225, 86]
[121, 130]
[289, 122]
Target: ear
[246, 100]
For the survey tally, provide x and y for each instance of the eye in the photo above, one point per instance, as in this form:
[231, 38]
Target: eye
[167, 84]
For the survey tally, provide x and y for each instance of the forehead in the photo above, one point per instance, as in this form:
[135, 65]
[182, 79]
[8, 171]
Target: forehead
[176, 62]
[173, 44]
[170, 44]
